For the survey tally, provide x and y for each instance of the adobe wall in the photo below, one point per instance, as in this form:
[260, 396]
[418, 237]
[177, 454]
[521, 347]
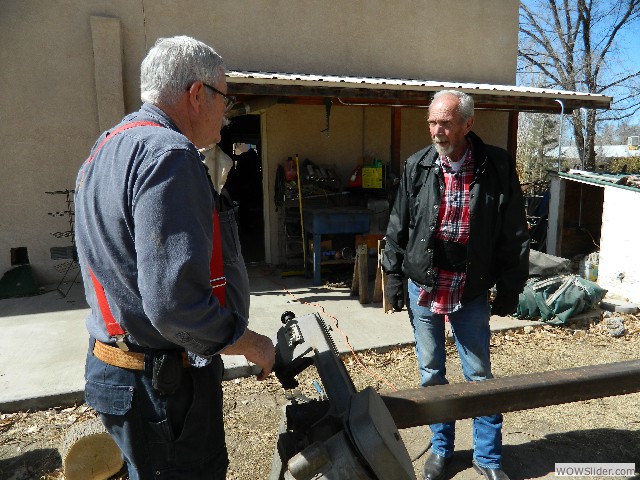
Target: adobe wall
[71, 68]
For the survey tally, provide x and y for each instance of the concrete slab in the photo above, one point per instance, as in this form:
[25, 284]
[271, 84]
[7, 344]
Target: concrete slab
[44, 341]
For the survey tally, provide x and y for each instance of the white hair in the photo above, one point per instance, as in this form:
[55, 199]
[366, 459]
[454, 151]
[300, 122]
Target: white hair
[465, 102]
[173, 64]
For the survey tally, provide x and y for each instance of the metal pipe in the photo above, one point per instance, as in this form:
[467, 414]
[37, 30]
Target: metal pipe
[560, 133]
[583, 115]
[444, 403]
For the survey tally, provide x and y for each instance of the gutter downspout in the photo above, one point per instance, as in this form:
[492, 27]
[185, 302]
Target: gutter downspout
[560, 133]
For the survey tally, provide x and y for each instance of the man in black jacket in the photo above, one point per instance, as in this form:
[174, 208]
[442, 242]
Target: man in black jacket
[457, 228]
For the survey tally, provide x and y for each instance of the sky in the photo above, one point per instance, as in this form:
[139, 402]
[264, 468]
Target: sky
[631, 41]
[628, 43]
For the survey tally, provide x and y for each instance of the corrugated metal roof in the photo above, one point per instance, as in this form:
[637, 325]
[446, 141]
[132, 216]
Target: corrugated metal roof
[485, 91]
[600, 179]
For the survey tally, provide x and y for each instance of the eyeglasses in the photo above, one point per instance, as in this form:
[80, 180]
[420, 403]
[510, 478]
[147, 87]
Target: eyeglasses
[229, 100]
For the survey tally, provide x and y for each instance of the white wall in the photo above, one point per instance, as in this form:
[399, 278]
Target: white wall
[619, 268]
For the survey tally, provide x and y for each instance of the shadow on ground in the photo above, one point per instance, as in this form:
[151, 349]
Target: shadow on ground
[537, 458]
[30, 464]
[47, 302]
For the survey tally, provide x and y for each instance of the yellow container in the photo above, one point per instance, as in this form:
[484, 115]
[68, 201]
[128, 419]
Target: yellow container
[371, 177]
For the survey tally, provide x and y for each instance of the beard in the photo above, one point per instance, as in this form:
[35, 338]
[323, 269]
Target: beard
[442, 150]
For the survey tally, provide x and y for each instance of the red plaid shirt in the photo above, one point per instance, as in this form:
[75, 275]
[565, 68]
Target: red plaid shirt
[453, 225]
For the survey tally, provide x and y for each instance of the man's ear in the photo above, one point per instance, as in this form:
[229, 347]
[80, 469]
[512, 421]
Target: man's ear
[196, 95]
[469, 124]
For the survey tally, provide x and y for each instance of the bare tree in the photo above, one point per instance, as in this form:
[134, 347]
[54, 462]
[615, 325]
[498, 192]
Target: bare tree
[618, 133]
[574, 46]
[537, 134]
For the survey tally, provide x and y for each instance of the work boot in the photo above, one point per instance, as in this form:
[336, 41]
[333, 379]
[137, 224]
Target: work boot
[490, 473]
[434, 466]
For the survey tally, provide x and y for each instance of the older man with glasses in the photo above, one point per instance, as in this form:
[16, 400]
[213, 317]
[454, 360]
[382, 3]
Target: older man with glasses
[149, 245]
[229, 100]
[456, 229]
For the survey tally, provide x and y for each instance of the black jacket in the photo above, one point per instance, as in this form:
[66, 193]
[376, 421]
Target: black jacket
[498, 248]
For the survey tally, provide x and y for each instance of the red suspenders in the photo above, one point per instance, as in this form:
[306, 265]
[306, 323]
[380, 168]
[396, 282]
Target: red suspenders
[216, 264]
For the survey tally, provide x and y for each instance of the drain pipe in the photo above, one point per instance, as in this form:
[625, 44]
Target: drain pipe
[560, 134]
[584, 118]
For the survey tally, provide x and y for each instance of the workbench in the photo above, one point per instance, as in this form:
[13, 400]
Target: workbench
[326, 221]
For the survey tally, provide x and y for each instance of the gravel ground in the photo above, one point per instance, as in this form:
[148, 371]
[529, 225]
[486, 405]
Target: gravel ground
[600, 430]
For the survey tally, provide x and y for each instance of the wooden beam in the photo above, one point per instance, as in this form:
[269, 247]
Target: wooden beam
[512, 135]
[444, 403]
[406, 98]
[396, 128]
[106, 36]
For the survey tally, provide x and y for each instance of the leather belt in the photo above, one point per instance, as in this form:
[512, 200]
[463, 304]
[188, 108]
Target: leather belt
[119, 358]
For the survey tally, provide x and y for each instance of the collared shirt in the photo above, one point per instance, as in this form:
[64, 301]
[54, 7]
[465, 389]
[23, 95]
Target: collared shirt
[453, 226]
[144, 227]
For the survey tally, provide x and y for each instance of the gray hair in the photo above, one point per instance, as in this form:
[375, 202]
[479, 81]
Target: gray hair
[465, 102]
[173, 64]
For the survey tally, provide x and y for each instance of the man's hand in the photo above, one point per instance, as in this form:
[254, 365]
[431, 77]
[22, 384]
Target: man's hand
[257, 349]
[504, 305]
[394, 291]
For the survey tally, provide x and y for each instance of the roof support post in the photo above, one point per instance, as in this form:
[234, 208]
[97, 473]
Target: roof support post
[512, 136]
[396, 128]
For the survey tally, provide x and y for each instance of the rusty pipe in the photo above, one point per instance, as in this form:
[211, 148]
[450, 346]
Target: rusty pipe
[443, 403]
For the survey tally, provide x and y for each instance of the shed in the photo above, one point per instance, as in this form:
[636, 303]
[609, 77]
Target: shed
[591, 212]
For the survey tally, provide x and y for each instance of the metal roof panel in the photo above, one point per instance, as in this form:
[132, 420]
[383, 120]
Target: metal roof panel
[486, 90]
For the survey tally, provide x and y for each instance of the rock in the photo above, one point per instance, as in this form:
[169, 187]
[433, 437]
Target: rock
[528, 329]
[614, 326]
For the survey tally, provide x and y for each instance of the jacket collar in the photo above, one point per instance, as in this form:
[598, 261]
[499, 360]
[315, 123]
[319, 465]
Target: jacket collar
[155, 113]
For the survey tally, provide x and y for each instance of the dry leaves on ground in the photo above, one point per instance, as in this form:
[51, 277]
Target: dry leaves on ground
[30, 441]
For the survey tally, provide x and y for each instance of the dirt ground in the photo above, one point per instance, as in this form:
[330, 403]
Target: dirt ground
[600, 430]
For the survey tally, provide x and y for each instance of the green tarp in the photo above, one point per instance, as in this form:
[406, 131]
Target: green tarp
[557, 299]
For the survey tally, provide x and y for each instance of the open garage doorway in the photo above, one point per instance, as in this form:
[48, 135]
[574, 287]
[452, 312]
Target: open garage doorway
[241, 141]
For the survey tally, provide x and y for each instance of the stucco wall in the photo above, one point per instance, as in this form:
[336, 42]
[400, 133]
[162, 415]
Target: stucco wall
[619, 268]
[402, 38]
[49, 114]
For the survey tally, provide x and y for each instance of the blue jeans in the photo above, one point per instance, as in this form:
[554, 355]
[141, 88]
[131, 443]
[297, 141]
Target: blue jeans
[471, 331]
[177, 436]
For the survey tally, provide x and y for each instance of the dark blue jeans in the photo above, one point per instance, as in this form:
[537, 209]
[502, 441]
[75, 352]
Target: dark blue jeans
[471, 331]
[178, 436]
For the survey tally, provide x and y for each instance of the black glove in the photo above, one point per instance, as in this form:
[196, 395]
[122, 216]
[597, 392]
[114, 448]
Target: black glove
[504, 305]
[394, 291]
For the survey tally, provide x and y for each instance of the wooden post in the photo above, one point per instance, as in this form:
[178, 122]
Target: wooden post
[355, 281]
[360, 282]
[378, 292]
[444, 403]
[381, 280]
[364, 274]
[396, 127]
